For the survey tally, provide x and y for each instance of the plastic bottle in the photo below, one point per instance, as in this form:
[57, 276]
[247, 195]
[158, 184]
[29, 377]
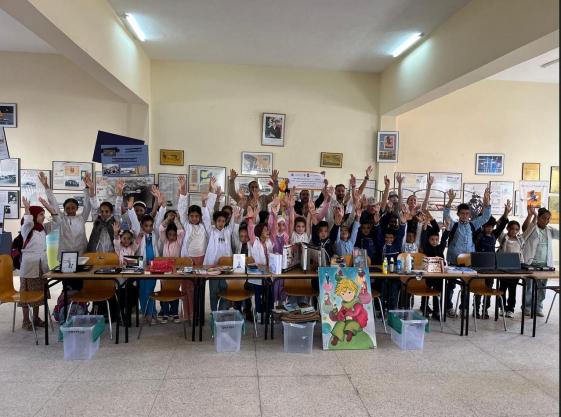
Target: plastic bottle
[408, 263]
[392, 265]
[385, 266]
[399, 266]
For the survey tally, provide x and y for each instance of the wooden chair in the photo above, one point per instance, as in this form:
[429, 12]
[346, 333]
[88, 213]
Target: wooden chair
[98, 290]
[555, 289]
[236, 291]
[477, 286]
[8, 294]
[420, 288]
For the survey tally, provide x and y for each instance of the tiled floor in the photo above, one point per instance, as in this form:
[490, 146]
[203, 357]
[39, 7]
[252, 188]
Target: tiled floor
[489, 373]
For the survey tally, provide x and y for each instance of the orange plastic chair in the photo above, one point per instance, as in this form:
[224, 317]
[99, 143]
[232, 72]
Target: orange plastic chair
[236, 287]
[8, 293]
[97, 290]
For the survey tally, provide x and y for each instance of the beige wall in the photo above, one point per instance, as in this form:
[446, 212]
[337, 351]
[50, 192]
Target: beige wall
[60, 110]
[481, 39]
[214, 113]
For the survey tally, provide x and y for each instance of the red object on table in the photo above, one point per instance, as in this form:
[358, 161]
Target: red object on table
[161, 266]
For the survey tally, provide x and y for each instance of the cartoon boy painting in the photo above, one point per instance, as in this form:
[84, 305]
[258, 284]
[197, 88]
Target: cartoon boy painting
[352, 317]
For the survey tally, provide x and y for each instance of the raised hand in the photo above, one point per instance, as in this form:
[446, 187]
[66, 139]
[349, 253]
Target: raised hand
[508, 208]
[487, 197]
[46, 204]
[162, 201]
[233, 174]
[130, 202]
[43, 180]
[26, 204]
[447, 223]
[275, 175]
[116, 228]
[386, 182]
[531, 210]
[212, 185]
[403, 216]
[237, 213]
[338, 215]
[183, 184]
[88, 181]
[292, 198]
[119, 187]
[399, 178]
[352, 182]
[451, 195]
[369, 171]
[218, 192]
[430, 181]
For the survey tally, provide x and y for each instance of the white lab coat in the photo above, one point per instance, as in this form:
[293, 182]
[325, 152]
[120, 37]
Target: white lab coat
[196, 238]
[135, 227]
[219, 241]
[34, 261]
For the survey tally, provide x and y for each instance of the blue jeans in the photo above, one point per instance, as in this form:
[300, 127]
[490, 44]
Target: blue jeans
[145, 288]
[169, 309]
[542, 283]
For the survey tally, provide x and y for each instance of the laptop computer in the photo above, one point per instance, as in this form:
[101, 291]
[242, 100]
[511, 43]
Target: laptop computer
[509, 263]
[483, 262]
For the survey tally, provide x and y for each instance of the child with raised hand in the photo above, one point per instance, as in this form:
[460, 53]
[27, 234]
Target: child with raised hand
[300, 226]
[124, 242]
[104, 216]
[34, 262]
[344, 236]
[277, 223]
[171, 238]
[219, 240]
[149, 249]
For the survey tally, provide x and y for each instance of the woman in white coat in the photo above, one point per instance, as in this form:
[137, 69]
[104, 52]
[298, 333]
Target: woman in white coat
[34, 262]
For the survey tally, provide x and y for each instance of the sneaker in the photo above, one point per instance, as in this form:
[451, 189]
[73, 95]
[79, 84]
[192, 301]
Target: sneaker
[476, 314]
[486, 316]
[527, 312]
[451, 313]
[539, 313]
[510, 314]
[176, 319]
[163, 319]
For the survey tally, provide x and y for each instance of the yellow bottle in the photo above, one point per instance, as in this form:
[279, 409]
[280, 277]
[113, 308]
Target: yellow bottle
[385, 266]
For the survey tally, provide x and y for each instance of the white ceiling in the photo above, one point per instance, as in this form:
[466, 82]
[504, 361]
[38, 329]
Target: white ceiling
[330, 34]
[17, 38]
[532, 71]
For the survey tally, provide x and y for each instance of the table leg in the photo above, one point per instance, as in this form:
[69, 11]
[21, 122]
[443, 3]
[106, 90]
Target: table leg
[466, 307]
[462, 312]
[496, 285]
[443, 312]
[270, 309]
[65, 296]
[534, 305]
[202, 286]
[195, 308]
[265, 306]
[46, 307]
[137, 302]
[127, 318]
[118, 317]
[523, 304]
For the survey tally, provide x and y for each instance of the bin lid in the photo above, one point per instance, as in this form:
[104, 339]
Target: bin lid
[396, 318]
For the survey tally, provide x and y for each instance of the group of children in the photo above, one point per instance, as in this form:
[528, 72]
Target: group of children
[338, 221]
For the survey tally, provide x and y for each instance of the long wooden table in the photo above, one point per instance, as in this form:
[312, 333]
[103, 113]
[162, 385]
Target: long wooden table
[464, 279]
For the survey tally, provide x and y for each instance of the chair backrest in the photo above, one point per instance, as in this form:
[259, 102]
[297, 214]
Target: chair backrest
[102, 258]
[183, 261]
[170, 284]
[464, 259]
[417, 285]
[6, 274]
[229, 260]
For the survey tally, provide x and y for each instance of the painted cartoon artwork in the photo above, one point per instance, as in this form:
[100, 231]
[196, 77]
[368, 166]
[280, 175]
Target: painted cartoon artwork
[347, 316]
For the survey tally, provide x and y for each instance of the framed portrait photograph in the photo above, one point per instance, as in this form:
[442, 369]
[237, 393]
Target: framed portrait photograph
[69, 175]
[489, 163]
[273, 129]
[31, 187]
[530, 171]
[9, 172]
[387, 146]
[169, 186]
[199, 177]
[331, 160]
[138, 187]
[257, 163]
[172, 157]
[554, 180]
[68, 262]
[10, 201]
[501, 191]
[8, 115]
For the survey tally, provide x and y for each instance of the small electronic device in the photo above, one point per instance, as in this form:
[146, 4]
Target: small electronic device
[133, 264]
[483, 262]
[291, 256]
[509, 263]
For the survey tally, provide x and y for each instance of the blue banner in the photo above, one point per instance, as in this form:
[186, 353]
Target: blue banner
[124, 160]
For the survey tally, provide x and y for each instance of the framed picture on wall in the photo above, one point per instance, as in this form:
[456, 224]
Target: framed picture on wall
[554, 180]
[412, 182]
[489, 163]
[553, 207]
[172, 157]
[199, 177]
[257, 163]
[68, 175]
[137, 187]
[532, 193]
[8, 115]
[9, 202]
[387, 146]
[331, 160]
[31, 187]
[4, 151]
[195, 199]
[273, 129]
[501, 191]
[169, 186]
[472, 195]
[9, 172]
[530, 171]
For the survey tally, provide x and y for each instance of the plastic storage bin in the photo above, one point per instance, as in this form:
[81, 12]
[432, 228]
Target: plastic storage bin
[80, 336]
[408, 329]
[227, 326]
[298, 337]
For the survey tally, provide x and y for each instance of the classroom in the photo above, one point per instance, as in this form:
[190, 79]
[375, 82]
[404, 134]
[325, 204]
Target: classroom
[238, 207]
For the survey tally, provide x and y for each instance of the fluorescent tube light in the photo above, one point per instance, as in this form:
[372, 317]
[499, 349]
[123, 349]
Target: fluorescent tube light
[550, 63]
[407, 44]
[133, 24]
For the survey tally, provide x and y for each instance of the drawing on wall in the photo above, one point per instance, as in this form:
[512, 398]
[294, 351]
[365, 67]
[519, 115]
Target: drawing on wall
[347, 315]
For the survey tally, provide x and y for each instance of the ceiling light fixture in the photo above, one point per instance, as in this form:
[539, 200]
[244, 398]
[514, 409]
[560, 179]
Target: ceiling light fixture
[549, 63]
[409, 42]
[134, 27]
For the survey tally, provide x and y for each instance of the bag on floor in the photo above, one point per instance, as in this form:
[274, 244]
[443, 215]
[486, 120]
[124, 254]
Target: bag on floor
[77, 309]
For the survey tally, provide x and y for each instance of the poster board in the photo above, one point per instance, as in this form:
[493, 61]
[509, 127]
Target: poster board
[473, 196]
[10, 202]
[68, 175]
[501, 191]
[169, 186]
[535, 193]
[351, 286]
[124, 160]
[31, 187]
[199, 177]
[138, 187]
[412, 183]
[9, 172]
